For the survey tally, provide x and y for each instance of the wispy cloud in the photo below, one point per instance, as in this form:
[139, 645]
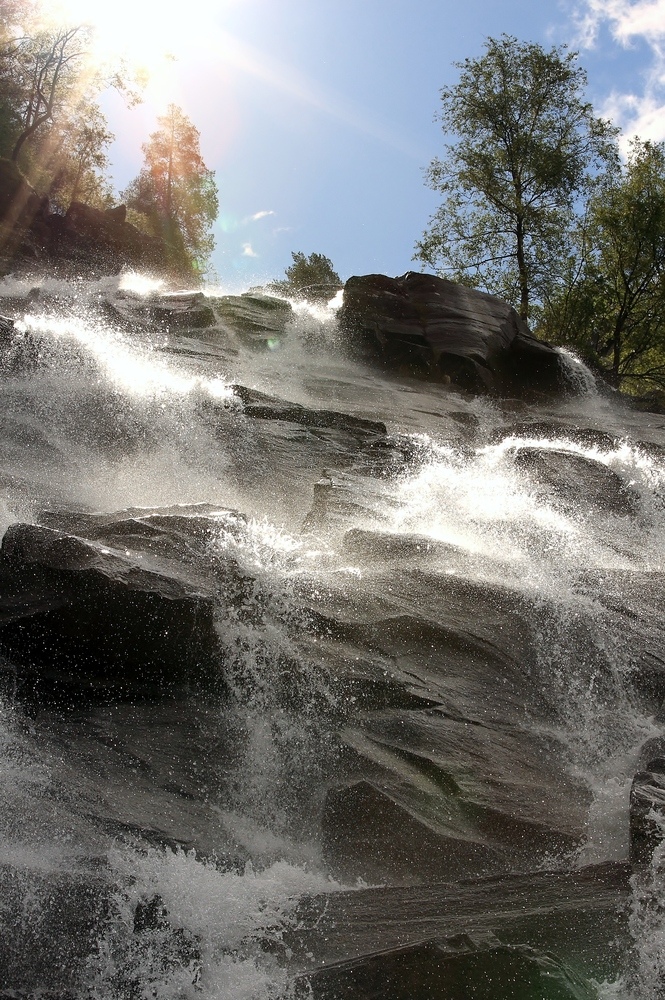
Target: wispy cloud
[248, 251]
[260, 215]
[638, 113]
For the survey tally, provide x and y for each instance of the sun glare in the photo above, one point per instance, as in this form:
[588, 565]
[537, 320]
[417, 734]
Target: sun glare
[148, 35]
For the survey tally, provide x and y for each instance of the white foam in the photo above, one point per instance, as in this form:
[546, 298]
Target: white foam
[213, 922]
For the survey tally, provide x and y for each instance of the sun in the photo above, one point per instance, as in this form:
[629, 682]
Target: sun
[147, 35]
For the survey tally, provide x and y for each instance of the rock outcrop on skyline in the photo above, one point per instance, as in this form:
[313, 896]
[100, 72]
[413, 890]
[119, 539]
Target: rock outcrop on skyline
[84, 242]
[436, 329]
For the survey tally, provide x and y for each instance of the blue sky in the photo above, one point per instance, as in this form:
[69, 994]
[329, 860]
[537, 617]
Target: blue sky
[317, 116]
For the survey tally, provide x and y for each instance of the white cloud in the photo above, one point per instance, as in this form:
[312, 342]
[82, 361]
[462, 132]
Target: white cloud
[247, 250]
[641, 113]
[260, 215]
[627, 20]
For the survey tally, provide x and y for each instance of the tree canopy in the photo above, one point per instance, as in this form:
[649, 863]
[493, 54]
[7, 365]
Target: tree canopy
[50, 121]
[612, 306]
[528, 143]
[175, 192]
[310, 277]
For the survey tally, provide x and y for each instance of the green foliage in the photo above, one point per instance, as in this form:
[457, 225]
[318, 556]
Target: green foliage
[527, 144]
[175, 193]
[612, 306]
[312, 278]
[70, 163]
[50, 122]
[44, 71]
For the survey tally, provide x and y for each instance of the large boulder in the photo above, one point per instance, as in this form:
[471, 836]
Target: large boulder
[439, 330]
[113, 605]
[390, 941]
[103, 241]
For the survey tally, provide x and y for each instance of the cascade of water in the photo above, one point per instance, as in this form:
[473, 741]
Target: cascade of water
[581, 380]
[340, 649]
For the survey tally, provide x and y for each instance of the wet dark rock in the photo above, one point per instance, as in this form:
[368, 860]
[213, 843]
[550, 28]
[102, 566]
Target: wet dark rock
[444, 769]
[578, 482]
[340, 932]
[462, 968]
[386, 545]
[177, 313]
[647, 812]
[365, 829]
[341, 497]
[415, 767]
[434, 328]
[124, 607]
[181, 311]
[653, 750]
[588, 437]
[259, 321]
[19, 352]
[66, 913]
[263, 407]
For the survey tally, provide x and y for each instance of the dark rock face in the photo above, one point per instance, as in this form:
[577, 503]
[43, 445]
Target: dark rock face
[437, 930]
[448, 333]
[380, 694]
[559, 472]
[179, 311]
[264, 407]
[457, 970]
[647, 812]
[55, 947]
[355, 823]
[259, 321]
[85, 241]
[118, 604]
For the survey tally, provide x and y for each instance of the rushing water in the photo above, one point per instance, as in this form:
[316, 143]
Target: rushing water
[182, 834]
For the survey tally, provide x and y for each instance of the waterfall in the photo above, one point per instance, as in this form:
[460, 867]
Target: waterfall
[299, 653]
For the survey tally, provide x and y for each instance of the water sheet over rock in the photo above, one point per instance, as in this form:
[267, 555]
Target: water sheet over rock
[319, 678]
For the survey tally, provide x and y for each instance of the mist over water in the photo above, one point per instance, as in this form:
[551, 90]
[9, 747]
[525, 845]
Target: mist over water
[103, 410]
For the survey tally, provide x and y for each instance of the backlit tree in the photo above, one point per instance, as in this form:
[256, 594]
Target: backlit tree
[175, 192]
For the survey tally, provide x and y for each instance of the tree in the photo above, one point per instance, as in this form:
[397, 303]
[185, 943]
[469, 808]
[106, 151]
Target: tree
[71, 160]
[612, 308]
[45, 65]
[528, 142]
[312, 278]
[175, 193]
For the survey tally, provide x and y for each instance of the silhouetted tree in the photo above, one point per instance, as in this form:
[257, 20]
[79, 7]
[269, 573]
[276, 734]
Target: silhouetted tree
[312, 278]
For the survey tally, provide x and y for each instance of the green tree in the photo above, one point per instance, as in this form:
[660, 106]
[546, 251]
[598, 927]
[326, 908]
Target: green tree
[612, 308]
[175, 193]
[13, 13]
[312, 278]
[45, 73]
[527, 145]
[71, 161]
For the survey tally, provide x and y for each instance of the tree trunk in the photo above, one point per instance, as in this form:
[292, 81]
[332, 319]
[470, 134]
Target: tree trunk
[522, 271]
